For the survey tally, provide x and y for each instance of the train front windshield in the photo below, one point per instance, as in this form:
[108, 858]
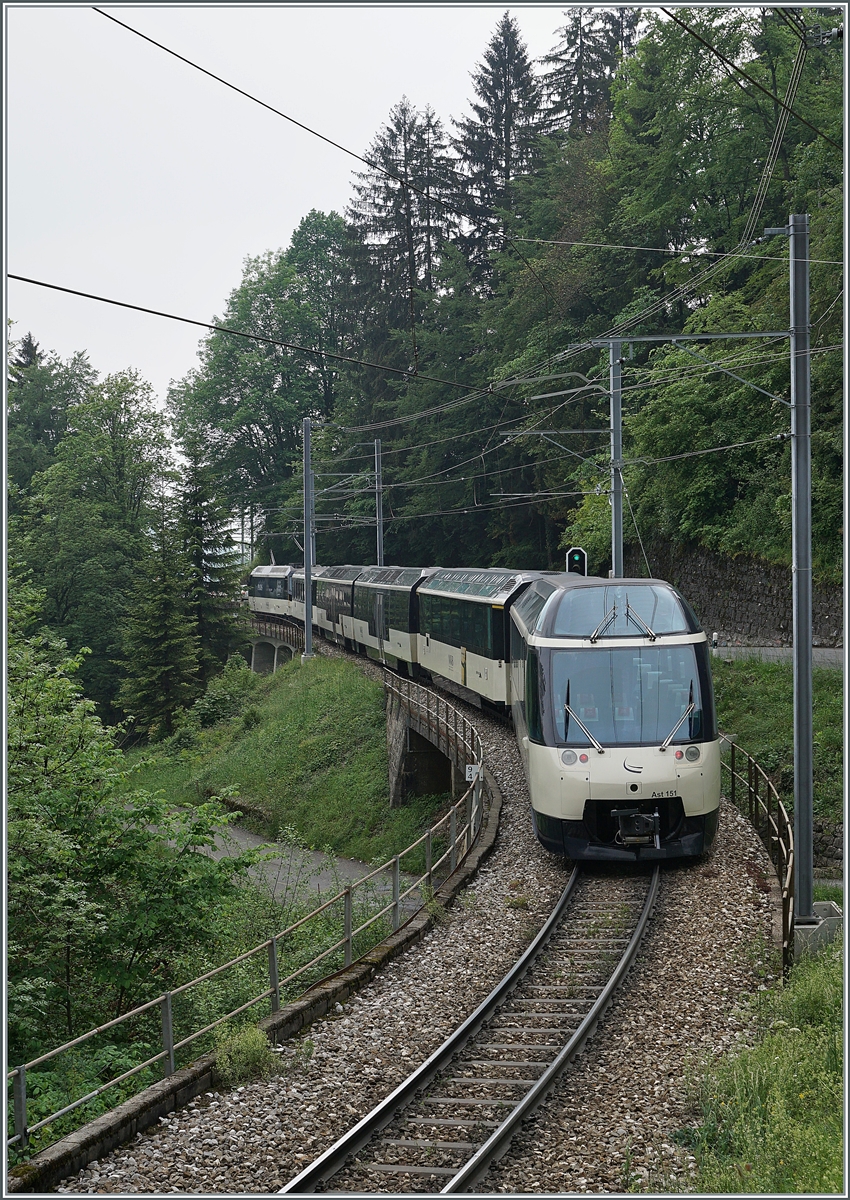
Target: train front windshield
[626, 697]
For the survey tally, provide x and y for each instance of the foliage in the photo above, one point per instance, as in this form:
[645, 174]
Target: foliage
[771, 1117]
[105, 884]
[242, 1055]
[213, 569]
[82, 527]
[766, 729]
[160, 643]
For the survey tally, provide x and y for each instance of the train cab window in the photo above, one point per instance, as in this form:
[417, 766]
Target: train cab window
[534, 680]
[629, 697]
[621, 610]
[530, 605]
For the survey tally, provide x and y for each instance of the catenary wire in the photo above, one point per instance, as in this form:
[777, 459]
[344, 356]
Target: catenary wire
[253, 337]
[696, 253]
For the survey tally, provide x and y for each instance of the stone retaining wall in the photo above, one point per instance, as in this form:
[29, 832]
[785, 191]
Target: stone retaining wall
[743, 599]
[828, 844]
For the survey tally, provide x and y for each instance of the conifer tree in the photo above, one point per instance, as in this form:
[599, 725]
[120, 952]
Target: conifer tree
[499, 141]
[578, 85]
[396, 210]
[161, 648]
[213, 569]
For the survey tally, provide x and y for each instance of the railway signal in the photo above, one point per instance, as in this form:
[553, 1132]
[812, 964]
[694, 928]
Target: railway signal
[576, 561]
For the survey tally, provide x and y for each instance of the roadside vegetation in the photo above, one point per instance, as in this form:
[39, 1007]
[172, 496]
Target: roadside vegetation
[755, 701]
[771, 1117]
[303, 749]
[112, 896]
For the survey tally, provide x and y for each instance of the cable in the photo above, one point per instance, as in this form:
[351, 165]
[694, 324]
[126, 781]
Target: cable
[367, 162]
[634, 522]
[683, 253]
[252, 337]
[749, 78]
[649, 462]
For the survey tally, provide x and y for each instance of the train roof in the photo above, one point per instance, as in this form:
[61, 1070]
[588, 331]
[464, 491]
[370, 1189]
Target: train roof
[575, 606]
[493, 584]
[393, 577]
[276, 571]
[344, 574]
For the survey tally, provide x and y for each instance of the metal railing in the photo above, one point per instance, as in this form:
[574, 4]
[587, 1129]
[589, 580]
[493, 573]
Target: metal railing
[754, 795]
[282, 629]
[459, 828]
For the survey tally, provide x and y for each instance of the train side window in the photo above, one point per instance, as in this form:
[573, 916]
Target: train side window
[532, 698]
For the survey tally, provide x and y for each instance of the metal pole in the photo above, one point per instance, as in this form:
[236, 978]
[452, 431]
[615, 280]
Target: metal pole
[167, 1035]
[616, 348]
[396, 890]
[453, 838]
[379, 502]
[308, 517]
[801, 492]
[19, 1089]
[347, 922]
[274, 979]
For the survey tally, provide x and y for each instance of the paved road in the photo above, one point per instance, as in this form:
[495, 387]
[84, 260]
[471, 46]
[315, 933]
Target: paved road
[822, 656]
[301, 870]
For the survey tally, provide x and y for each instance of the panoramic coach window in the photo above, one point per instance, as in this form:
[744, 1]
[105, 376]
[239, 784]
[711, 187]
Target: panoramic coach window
[583, 610]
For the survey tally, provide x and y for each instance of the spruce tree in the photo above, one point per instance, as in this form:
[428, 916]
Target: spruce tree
[578, 85]
[500, 140]
[397, 211]
[161, 648]
[214, 570]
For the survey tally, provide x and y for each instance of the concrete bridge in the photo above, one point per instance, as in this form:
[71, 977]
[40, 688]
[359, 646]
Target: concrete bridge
[272, 644]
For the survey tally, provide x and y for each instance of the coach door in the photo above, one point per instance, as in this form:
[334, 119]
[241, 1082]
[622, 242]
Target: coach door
[379, 622]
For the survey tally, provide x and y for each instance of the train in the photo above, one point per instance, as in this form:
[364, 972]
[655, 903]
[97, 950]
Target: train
[607, 683]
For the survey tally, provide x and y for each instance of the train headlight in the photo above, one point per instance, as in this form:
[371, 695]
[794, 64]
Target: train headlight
[692, 754]
[569, 757]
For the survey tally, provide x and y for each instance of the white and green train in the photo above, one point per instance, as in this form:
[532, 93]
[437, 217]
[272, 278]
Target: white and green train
[608, 683]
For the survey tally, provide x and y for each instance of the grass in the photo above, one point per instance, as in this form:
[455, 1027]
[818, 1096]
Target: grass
[824, 891]
[312, 758]
[771, 1116]
[755, 701]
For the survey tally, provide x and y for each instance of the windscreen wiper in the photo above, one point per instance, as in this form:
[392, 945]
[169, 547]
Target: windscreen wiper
[604, 623]
[639, 621]
[569, 713]
[682, 719]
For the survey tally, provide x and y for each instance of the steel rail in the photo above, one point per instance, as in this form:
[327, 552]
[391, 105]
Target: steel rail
[335, 1157]
[498, 1142]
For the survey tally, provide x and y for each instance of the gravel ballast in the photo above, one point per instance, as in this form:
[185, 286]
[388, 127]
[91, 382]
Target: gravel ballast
[610, 1121]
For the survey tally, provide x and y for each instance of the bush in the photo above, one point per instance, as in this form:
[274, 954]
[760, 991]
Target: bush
[243, 1055]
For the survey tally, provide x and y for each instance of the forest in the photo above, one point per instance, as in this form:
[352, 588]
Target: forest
[622, 184]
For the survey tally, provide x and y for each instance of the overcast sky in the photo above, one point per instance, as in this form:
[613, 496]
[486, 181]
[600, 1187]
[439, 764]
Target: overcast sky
[131, 175]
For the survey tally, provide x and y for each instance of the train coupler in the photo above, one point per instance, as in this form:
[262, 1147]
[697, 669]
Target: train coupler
[638, 828]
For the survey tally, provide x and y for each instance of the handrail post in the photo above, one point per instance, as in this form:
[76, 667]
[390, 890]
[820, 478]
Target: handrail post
[453, 838]
[19, 1089]
[470, 818]
[396, 890]
[274, 978]
[347, 923]
[733, 771]
[428, 854]
[167, 1035]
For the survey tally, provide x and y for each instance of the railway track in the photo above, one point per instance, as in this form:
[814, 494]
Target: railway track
[455, 1115]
